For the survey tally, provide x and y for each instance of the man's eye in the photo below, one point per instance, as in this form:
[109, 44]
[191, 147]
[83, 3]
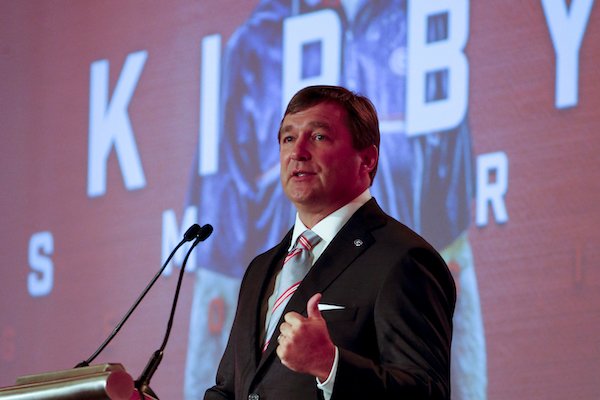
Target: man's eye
[319, 137]
[286, 139]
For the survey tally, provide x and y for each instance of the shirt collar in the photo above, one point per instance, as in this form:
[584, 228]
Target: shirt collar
[329, 226]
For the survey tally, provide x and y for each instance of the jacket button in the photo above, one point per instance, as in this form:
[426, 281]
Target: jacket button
[253, 396]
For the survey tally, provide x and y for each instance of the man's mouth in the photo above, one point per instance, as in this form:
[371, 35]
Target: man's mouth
[299, 174]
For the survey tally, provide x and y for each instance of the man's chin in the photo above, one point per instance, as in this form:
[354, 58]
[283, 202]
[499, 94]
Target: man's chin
[302, 199]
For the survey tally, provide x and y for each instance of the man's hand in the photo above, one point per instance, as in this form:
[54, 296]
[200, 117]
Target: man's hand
[304, 343]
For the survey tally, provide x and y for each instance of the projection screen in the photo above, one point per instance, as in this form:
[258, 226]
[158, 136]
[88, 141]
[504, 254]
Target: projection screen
[124, 122]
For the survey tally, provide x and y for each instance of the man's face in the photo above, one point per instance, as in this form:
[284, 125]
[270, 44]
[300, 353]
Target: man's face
[320, 170]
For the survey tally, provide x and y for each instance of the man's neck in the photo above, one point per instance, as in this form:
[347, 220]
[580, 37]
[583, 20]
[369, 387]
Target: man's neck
[312, 216]
[310, 219]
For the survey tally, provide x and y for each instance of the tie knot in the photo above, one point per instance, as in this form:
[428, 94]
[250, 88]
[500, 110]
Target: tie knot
[308, 239]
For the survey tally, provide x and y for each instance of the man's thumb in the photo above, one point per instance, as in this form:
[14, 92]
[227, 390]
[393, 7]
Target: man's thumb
[312, 306]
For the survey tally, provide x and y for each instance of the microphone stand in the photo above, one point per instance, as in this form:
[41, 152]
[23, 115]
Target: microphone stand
[142, 384]
[193, 232]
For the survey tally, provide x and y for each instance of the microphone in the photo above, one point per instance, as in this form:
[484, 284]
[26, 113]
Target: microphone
[142, 384]
[193, 232]
[204, 233]
[189, 235]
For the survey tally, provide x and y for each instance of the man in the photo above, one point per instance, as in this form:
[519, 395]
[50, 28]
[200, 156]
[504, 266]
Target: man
[372, 318]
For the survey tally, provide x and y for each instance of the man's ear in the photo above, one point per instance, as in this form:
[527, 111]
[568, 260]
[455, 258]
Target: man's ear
[369, 157]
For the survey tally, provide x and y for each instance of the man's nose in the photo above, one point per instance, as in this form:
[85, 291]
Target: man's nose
[300, 150]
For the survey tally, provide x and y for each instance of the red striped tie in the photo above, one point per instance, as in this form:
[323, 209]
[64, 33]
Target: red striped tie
[295, 267]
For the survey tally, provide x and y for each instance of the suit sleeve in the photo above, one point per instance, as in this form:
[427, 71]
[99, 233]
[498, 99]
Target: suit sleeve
[224, 387]
[413, 327]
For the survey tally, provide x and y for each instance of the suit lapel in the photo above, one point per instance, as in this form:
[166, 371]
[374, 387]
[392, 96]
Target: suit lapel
[267, 269]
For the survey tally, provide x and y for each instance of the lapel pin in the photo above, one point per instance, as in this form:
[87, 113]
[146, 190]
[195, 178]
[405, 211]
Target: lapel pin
[358, 242]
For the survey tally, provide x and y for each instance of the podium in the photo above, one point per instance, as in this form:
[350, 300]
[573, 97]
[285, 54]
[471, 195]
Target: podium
[96, 382]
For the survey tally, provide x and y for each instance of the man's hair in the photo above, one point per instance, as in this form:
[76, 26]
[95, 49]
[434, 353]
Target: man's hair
[362, 121]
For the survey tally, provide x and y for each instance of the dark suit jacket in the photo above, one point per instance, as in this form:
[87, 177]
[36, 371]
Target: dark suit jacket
[393, 335]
